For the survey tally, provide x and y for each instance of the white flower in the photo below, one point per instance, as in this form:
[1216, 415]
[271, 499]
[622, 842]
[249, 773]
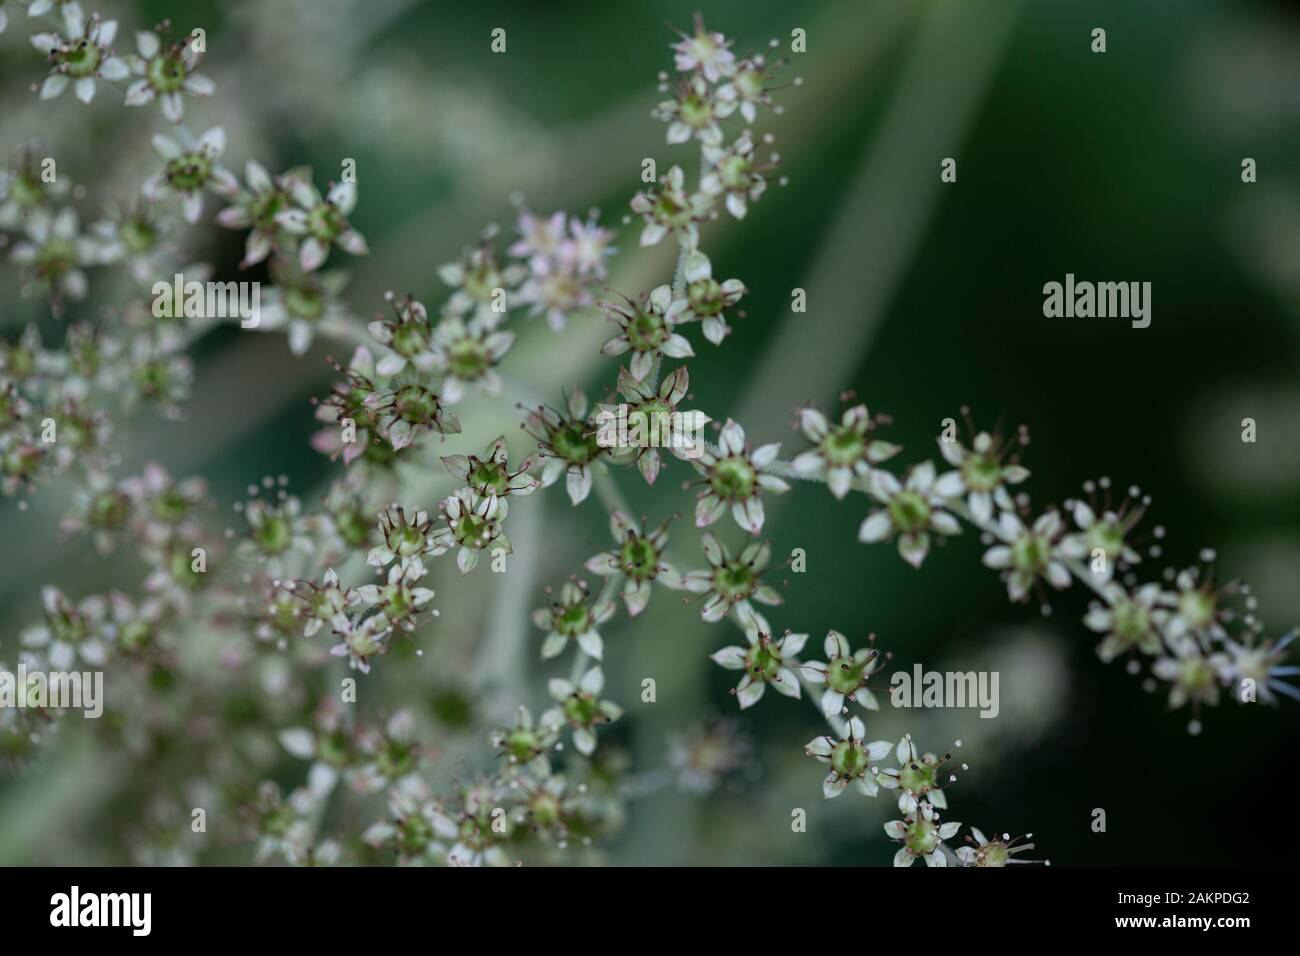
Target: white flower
[706, 298]
[669, 209]
[851, 759]
[844, 451]
[704, 51]
[165, 73]
[190, 165]
[647, 329]
[1129, 621]
[922, 836]
[1027, 555]
[321, 222]
[735, 475]
[732, 582]
[912, 510]
[733, 173]
[845, 673]
[581, 708]
[82, 57]
[764, 662]
[981, 475]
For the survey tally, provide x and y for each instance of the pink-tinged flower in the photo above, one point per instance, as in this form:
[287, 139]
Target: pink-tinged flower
[704, 51]
[735, 174]
[748, 86]
[321, 222]
[255, 207]
[694, 112]
[670, 209]
[82, 54]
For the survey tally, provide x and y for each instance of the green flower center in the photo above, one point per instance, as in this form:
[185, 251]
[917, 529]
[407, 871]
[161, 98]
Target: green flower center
[521, 744]
[1030, 553]
[481, 281]
[735, 581]
[55, 258]
[671, 211]
[572, 620]
[706, 297]
[181, 568]
[1132, 621]
[849, 758]
[763, 661]
[573, 443]
[416, 404]
[749, 82]
[844, 674]
[409, 339]
[166, 72]
[474, 531]
[733, 478]
[28, 190]
[109, 509]
[843, 446]
[304, 302]
[639, 558]
[137, 235]
[274, 535]
[135, 636]
[582, 709]
[80, 59]
[646, 331]
[414, 834]
[981, 473]
[353, 527]
[696, 111]
[468, 359]
[1196, 608]
[922, 837]
[405, 541]
[736, 173]
[325, 222]
[1108, 537]
[917, 777]
[396, 759]
[189, 172]
[909, 511]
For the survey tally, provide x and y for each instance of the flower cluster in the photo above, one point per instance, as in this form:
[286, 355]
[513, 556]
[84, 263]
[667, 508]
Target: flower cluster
[301, 600]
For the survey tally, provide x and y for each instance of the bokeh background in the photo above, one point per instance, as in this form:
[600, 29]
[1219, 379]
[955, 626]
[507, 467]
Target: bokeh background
[922, 297]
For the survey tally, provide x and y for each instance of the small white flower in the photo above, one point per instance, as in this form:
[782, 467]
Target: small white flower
[851, 760]
[922, 836]
[912, 510]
